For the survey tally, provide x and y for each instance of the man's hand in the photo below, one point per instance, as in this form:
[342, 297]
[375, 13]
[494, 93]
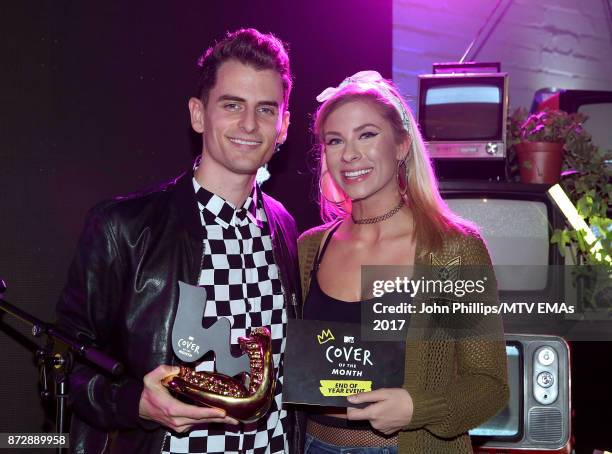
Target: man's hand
[156, 404]
[390, 409]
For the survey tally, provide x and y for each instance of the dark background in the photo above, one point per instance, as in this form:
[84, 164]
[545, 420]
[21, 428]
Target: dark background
[94, 104]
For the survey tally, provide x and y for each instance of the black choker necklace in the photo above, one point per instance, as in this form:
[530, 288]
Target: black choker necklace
[380, 218]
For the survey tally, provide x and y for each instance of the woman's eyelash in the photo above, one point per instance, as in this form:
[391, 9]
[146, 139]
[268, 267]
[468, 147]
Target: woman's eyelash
[369, 134]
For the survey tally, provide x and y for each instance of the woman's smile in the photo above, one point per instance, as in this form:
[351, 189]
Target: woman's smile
[356, 176]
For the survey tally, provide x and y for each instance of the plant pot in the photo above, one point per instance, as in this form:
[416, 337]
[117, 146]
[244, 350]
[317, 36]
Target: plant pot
[540, 162]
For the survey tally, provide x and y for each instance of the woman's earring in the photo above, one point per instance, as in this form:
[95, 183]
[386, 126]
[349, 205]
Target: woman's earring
[329, 190]
[401, 176]
[277, 148]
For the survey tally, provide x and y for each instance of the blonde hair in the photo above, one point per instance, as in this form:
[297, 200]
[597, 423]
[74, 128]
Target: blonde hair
[432, 216]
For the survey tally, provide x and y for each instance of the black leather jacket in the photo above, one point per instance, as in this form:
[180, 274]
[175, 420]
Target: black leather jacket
[122, 295]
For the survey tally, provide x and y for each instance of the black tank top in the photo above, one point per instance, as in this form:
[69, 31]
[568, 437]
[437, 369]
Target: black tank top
[319, 305]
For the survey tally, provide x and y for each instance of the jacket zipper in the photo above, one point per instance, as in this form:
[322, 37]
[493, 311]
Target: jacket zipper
[106, 444]
[161, 448]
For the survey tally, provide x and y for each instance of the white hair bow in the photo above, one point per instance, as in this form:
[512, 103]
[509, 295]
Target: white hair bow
[362, 78]
[370, 79]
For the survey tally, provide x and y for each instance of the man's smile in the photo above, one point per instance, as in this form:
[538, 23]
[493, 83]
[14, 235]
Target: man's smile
[240, 141]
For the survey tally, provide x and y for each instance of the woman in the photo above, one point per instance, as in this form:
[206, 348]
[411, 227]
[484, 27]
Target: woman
[382, 205]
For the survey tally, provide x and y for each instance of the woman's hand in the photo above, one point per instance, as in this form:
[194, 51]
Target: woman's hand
[390, 409]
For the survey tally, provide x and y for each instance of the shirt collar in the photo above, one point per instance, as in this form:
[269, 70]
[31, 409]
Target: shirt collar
[215, 209]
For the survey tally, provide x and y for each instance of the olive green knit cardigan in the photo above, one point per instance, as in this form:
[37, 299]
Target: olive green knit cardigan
[456, 383]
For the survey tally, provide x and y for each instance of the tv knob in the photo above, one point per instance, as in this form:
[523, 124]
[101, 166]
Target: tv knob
[546, 379]
[546, 356]
[491, 148]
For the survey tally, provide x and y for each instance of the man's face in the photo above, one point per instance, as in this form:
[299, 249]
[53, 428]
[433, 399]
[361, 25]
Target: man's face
[243, 120]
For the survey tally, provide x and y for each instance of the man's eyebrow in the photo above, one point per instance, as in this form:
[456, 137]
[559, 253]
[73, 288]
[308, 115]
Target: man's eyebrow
[239, 99]
[268, 103]
[231, 98]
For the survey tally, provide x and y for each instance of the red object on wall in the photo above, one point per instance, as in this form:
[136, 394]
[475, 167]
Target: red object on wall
[552, 102]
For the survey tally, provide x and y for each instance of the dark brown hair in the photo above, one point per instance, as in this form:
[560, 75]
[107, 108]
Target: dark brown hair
[250, 47]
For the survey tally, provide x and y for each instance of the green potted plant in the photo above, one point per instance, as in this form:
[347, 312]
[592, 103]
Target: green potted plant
[540, 139]
[587, 182]
[586, 179]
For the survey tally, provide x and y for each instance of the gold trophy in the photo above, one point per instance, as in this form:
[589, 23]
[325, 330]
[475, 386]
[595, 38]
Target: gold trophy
[246, 398]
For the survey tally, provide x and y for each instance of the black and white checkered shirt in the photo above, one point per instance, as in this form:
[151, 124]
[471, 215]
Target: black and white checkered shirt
[242, 283]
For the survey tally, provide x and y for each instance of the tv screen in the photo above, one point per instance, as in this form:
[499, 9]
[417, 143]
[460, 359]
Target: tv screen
[516, 233]
[462, 107]
[598, 123]
[516, 221]
[507, 423]
[468, 112]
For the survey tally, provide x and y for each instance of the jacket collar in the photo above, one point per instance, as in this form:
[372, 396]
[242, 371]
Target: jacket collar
[185, 198]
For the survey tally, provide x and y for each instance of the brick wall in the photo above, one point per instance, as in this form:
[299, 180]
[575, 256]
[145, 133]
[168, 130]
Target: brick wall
[540, 43]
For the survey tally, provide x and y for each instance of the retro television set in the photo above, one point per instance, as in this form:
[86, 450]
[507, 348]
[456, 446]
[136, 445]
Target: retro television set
[538, 415]
[516, 220]
[463, 115]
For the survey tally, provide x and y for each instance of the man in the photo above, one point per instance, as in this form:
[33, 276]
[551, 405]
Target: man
[212, 227]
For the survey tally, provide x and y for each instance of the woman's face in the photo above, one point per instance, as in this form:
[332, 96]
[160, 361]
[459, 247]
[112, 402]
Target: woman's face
[360, 150]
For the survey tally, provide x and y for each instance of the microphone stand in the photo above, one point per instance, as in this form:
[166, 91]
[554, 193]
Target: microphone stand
[58, 365]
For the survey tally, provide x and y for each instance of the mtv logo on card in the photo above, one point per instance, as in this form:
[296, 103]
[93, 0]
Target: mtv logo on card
[349, 340]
